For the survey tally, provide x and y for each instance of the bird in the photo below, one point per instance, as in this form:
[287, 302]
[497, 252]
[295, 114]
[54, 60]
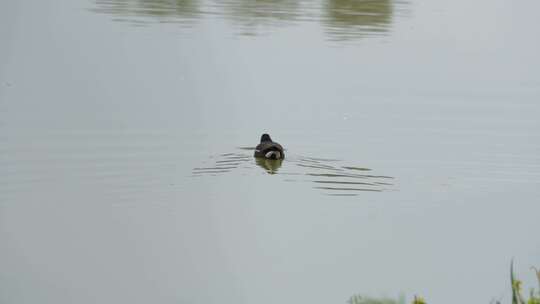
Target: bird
[269, 149]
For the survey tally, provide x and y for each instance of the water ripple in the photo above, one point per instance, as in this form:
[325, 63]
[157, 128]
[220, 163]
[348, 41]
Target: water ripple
[329, 176]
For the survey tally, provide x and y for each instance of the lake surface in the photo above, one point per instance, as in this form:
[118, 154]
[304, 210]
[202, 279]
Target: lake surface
[412, 135]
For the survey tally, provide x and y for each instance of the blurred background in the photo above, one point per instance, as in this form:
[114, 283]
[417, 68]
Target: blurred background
[411, 130]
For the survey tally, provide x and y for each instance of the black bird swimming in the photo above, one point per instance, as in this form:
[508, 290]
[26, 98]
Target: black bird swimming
[269, 149]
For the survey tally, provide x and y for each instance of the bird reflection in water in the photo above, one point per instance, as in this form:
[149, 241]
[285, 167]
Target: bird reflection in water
[269, 165]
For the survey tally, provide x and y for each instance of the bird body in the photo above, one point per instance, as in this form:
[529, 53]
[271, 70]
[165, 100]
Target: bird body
[269, 149]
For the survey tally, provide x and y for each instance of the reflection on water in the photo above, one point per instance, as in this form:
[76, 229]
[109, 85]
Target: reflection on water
[341, 19]
[181, 11]
[349, 18]
[253, 16]
[270, 165]
[327, 175]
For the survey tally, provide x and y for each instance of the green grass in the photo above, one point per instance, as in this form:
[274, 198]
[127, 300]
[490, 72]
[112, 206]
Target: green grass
[517, 294]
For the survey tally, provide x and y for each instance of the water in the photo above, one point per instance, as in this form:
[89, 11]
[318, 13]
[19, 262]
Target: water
[125, 129]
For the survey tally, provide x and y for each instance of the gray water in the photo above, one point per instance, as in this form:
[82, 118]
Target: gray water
[412, 138]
